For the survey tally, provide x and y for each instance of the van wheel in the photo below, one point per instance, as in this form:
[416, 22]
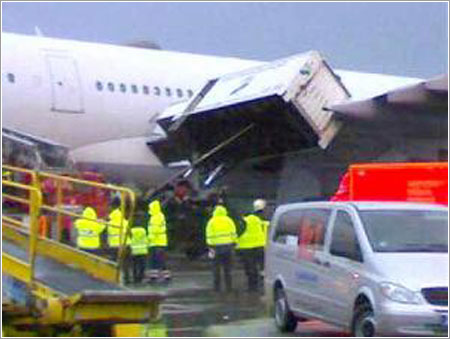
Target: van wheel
[364, 321]
[284, 319]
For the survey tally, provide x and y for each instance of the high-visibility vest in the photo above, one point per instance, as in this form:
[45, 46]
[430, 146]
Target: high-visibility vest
[116, 222]
[220, 229]
[88, 230]
[253, 235]
[139, 241]
[157, 230]
[265, 225]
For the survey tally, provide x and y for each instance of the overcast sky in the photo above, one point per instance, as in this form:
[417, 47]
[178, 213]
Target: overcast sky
[409, 39]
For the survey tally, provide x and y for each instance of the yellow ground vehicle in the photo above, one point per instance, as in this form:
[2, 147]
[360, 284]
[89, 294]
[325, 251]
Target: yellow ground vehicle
[48, 284]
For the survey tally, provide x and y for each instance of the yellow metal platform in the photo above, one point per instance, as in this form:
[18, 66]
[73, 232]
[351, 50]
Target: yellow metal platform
[48, 283]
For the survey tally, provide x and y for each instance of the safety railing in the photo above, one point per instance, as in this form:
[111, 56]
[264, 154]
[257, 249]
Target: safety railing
[63, 198]
[29, 197]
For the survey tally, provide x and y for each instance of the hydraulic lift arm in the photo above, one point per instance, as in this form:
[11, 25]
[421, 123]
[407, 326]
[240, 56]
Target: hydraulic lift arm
[196, 163]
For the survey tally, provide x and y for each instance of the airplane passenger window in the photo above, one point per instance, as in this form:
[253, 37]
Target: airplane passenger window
[11, 77]
[179, 93]
[190, 93]
[134, 88]
[99, 85]
[145, 90]
[157, 90]
[123, 88]
[168, 92]
[111, 86]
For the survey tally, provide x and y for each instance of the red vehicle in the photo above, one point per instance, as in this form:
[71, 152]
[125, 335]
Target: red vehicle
[77, 195]
[414, 182]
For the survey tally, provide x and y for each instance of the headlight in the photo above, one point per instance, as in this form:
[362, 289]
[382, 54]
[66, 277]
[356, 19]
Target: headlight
[399, 294]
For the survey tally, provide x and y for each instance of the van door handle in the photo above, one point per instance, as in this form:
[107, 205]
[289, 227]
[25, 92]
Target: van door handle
[322, 263]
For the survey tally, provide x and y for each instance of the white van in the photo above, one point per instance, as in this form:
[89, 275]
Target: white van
[371, 268]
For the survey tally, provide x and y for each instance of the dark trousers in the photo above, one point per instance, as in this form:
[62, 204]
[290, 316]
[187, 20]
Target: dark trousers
[138, 267]
[113, 253]
[127, 267]
[158, 258]
[260, 258]
[251, 259]
[223, 260]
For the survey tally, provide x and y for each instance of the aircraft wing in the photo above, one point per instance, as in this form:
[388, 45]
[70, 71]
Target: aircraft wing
[426, 97]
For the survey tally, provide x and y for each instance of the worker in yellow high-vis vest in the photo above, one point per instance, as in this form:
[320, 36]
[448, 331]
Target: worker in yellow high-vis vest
[221, 240]
[157, 239]
[259, 210]
[250, 245]
[139, 251]
[117, 228]
[88, 231]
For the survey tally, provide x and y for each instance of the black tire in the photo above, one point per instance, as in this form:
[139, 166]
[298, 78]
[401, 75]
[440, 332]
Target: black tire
[284, 318]
[363, 321]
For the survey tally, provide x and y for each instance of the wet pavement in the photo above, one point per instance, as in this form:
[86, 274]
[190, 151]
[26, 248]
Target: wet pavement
[192, 309]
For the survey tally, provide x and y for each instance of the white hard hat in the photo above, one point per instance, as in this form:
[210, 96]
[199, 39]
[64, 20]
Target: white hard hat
[259, 204]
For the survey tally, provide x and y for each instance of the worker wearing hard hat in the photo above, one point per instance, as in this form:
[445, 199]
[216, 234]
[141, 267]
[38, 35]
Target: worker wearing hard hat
[259, 206]
[221, 239]
[249, 245]
[89, 230]
[157, 240]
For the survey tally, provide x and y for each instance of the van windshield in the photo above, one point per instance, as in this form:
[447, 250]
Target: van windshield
[406, 230]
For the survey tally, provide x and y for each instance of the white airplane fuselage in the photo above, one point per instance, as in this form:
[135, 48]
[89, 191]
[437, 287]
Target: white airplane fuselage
[102, 100]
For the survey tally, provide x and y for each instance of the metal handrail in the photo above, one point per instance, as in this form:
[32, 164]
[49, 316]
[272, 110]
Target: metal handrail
[33, 174]
[127, 197]
[34, 204]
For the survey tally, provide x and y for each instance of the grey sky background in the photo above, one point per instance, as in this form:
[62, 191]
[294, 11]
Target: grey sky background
[401, 38]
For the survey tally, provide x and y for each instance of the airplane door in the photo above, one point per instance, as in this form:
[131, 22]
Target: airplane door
[65, 84]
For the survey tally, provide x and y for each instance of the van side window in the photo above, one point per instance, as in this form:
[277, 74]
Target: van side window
[286, 232]
[344, 242]
[311, 230]
[304, 228]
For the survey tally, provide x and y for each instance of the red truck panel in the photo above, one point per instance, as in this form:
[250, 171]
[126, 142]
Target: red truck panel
[414, 182]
